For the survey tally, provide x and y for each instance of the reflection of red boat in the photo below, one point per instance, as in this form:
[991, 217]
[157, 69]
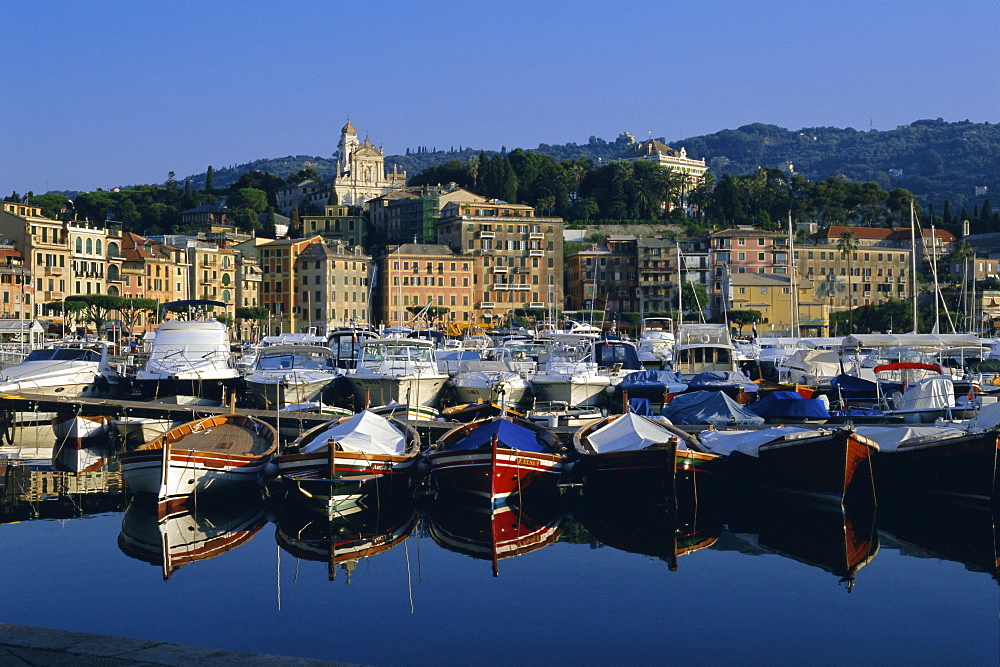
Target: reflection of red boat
[496, 533]
[497, 459]
[178, 536]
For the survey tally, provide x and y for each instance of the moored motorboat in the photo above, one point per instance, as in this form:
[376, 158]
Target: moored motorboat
[642, 457]
[498, 459]
[207, 455]
[189, 358]
[337, 463]
[286, 374]
[400, 370]
[821, 465]
[70, 370]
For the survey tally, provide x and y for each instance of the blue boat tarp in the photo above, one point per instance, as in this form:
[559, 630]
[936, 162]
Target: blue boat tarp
[789, 405]
[708, 407]
[509, 434]
[649, 384]
[721, 380]
[640, 406]
[851, 386]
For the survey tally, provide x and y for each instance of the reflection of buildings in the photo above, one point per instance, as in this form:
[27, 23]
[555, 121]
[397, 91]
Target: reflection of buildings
[36, 493]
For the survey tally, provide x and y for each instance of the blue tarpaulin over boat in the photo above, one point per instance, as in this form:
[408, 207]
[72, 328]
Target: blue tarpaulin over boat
[789, 405]
[721, 380]
[649, 384]
[708, 407]
[850, 386]
[509, 434]
[640, 406]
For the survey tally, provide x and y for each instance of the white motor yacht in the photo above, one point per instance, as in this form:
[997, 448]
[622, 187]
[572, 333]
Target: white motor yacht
[285, 374]
[703, 347]
[487, 380]
[403, 370]
[188, 359]
[656, 342]
[77, 370]
[570, 375]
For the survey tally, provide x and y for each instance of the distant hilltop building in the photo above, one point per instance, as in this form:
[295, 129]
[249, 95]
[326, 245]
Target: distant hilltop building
[360, 176]
[676, 160]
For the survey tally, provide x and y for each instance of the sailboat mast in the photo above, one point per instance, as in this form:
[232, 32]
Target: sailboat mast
[680, 286]
[913, 266]
[794, 328]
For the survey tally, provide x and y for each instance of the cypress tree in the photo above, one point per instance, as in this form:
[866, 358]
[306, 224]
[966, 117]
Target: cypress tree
[946, 217]
[210, 180]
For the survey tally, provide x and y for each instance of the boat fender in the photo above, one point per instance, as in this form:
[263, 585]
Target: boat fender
[270, 470]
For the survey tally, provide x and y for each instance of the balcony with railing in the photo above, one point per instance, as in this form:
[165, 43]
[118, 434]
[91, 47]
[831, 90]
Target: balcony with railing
[536, 253]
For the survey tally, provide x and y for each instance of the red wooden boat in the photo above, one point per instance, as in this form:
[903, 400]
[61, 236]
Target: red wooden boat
[497, 459]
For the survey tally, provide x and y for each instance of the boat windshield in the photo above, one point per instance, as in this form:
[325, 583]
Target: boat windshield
[63, 354]
[294, 361]
[396, 353]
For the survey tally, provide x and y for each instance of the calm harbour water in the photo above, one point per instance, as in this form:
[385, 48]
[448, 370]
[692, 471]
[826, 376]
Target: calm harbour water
[749, 587]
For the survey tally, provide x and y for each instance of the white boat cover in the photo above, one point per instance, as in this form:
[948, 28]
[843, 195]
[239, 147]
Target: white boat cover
[749, 442]
[628, 433]
[364, 433]
[891, 437]
[988, 417]
[819, 364]
[909, 340]
[933, 393]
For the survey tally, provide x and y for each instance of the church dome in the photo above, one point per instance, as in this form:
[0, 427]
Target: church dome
[348, 129]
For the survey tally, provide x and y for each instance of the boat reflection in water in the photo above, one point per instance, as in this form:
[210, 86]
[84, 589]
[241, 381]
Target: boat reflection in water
[496, 533]
[927, 528]
[838, 540]
[342, 538]
[172, 534]
[656, 529]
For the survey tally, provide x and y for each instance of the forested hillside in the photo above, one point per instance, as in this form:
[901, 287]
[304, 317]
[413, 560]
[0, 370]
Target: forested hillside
[934, 159]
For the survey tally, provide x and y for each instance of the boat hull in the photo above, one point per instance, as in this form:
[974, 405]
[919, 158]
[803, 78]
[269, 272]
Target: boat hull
[210, 455]
[345, 477]
[275, 394]
[574, 392]
[474, 393]
[189, 472]
[380, 390]
[654, 472]
[822, 467]
[963, 467]
[495, 477]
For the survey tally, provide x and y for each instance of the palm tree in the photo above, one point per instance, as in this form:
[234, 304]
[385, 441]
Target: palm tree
[847, 243]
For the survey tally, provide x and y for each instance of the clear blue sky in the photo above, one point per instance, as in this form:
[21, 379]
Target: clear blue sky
[100, 93]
